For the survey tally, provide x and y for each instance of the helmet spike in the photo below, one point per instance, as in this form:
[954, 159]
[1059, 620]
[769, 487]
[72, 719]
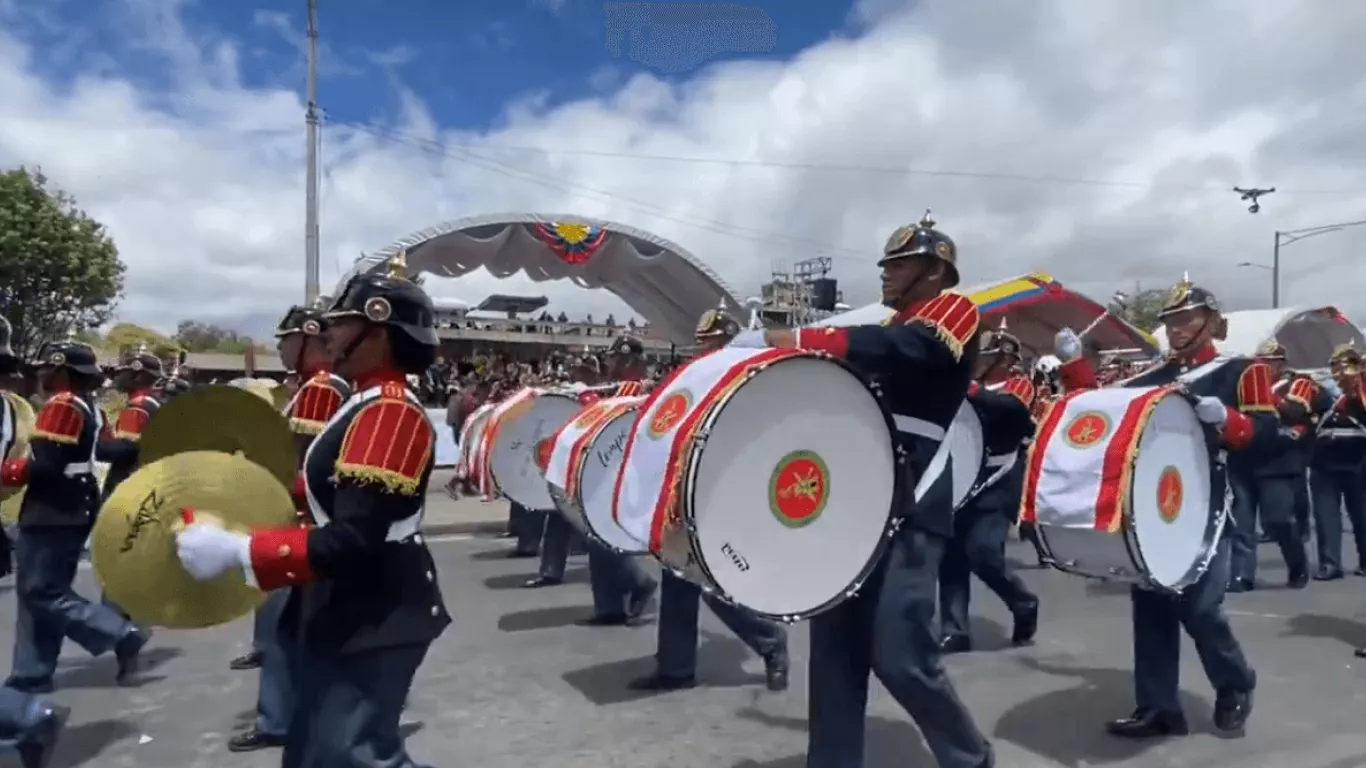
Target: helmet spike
[1002, 326]
[398, 263]
[926, 221]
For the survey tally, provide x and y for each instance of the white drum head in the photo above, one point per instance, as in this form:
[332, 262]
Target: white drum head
[513, 458]
[598, 482]
[1170, 505]
[967, 451]
[791, 493]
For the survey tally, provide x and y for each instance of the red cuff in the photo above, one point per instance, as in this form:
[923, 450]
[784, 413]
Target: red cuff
[14, 472]
[831, 341]
[588, 398]
[1078, 374]
[973, 387]
[1299, 430]
[1238, 430]
[279, 558]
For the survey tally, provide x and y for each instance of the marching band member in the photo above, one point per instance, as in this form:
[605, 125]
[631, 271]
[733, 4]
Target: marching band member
[135, 376]
[1234, 400]
[1336, 460]
[679, 599]
[367, 605]
[56, 518]
[1268, 485]
[1003, 399]
[626, 366]
[29, 725]
[924, 358]
[303, 349]
[622, 591]
[1294, 394]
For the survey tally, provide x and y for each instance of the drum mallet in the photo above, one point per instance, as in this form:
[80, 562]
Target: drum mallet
[1119, 300]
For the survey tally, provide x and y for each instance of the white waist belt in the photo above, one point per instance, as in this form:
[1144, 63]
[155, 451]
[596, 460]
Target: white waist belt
[1001, 460]
[78, 469]
[1342, 432]
[918, 427]
[406, 528]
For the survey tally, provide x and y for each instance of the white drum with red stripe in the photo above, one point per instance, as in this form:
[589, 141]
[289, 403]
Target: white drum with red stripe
[472, 441]
[514, 430]
[582, 467]
[1118, 483]
[768, 477]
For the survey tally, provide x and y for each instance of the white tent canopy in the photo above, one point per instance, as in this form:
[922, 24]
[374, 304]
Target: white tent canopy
[1309, 334]
[667, 285]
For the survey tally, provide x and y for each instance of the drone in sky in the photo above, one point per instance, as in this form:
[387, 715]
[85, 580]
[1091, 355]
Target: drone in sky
[1253, 195]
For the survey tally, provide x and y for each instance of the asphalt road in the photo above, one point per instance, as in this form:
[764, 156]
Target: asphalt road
[514, 684]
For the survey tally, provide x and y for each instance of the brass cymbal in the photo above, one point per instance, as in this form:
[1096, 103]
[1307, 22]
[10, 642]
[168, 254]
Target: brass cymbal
[226, 419]
[133, 546]
[280, 395]
[24, 419]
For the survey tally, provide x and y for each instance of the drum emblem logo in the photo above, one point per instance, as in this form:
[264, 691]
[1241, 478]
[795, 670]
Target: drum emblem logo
[670, 413]
[1170, 493]
[542, 453]
[1087, 429]
[799, 488]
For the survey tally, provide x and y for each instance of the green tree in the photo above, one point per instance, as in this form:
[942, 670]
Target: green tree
[59, 270]
[1141, 308]
[127, 336]
[195, 336]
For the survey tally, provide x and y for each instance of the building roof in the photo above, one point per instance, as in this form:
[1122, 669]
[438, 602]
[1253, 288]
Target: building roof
[519, 305]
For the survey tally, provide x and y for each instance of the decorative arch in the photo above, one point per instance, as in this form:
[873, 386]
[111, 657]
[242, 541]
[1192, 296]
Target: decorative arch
[664, 283]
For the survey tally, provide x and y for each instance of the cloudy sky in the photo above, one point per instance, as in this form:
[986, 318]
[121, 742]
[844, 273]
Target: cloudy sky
[1094, 139]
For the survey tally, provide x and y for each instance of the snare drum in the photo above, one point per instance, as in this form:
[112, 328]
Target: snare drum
[766, 476]
[514, 431]
[583, 467]
[1119, 484]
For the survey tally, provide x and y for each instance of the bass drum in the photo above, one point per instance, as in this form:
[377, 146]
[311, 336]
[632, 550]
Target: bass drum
[963, 454]
[1118, 484]
[769, 477]
[514, 431]
[471, 441]
[583, 467]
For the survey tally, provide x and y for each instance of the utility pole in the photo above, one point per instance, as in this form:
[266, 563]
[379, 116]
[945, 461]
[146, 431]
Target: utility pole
[311, 279]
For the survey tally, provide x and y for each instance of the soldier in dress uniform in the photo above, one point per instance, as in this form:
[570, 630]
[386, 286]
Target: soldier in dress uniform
[1293, 392]
[366, 606]
[923, 358]
[302, 347]
[679, 601]
[55, 521]
[1266, 486]
[29, 724]
[626, 367]
[1336, 462]
[135, 375]
[1233, 399]
[1002, 398]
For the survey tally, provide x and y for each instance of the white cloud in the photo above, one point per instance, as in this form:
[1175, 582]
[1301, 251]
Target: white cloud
[1167, 104]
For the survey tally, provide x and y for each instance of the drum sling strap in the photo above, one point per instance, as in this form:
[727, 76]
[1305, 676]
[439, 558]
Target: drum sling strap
[1008, 463]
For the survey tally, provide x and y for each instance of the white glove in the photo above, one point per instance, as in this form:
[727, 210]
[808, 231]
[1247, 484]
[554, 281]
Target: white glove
[1067, 345]
[208, 551]
[1211, 410]
[749, 340]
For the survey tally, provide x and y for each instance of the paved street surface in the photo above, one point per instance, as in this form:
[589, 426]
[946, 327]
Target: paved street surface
[514, 684]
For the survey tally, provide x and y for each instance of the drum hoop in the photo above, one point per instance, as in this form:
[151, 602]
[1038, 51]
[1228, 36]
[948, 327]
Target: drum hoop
[977, 489]
[630, 411]
[698, 440]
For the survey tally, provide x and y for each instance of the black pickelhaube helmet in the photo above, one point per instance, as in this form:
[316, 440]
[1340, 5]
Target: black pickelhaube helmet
[1346, 358]
[69, 353]
[301, 319]
[139, 360]
[922, 239]
[626, 346]
[716, 324]
[389, 299]
[1187, 295]
[1001, 342]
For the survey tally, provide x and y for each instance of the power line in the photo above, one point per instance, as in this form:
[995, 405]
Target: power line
[832, 167]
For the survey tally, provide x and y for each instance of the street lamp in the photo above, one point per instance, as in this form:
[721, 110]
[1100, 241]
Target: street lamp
[1286, 238]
